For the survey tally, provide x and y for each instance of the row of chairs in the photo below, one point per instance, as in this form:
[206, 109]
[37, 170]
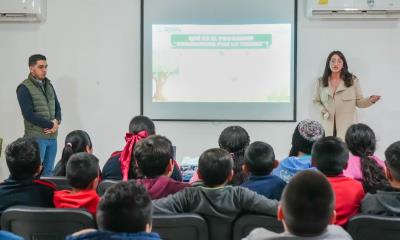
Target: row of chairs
[33, 223]
[360, 227]
[63, 184]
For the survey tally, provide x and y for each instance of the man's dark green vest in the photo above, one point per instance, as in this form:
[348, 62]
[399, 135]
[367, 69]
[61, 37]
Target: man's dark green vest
[44, 105]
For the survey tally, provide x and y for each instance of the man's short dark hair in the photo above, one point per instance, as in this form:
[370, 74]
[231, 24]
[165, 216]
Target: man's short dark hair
[142, 123]
[125, 207]
[392, 155]
[35, 58]
[259, 158]
[23, 158]
[153, 154]
[308, 203]
[215, 165]
[330, 155]
[82, 169]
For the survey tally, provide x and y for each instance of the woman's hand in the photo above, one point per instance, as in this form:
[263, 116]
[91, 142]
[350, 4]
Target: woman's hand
[374, 98]
[326, 115]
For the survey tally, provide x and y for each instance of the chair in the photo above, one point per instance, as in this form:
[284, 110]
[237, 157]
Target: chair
[247, 222]
[35, 223]
[60, 182]
[180, 227]
[368, 227]
[104, 185]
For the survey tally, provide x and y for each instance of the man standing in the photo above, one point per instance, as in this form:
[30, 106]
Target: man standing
[41, 110]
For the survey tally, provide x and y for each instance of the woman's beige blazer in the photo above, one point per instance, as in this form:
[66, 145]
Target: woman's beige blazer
[341, 105]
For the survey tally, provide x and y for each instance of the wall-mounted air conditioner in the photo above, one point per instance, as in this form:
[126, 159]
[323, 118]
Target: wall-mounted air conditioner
[353, 8]
[22, 10]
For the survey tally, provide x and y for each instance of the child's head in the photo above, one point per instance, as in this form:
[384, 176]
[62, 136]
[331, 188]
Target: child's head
[392, 155]
[140, 127]
[215, 167]
[307, 205]
[330, 156]
[75, 142]
[23, 158]
[360, 140]
[259, 159]
[306, 133]
[154, 156]
[125, 207]
[142, 123]
[83, 171]
[235, 139]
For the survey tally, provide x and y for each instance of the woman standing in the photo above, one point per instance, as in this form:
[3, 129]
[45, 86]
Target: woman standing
[337, 95]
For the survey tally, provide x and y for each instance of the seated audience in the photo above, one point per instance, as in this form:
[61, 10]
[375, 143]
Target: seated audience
[75, 142]
[233, 139]
[83, 175]
[124, 212]
[121, 165]
[259, 160]
[363, 165]
[306, 133]
[217, 203]
[22, 187]
[330, 156]
[306, 210]
[386, 202]
[154, 157]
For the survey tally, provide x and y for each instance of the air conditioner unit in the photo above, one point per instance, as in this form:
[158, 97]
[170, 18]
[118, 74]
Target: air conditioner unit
[22, 10]
[353, 8]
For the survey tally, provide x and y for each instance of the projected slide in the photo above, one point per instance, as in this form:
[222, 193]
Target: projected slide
[221, 63]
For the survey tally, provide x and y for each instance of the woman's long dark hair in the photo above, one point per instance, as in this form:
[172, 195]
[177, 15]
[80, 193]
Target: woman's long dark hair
[361, 142]
[75, 142]
[235, 139]
[344, 74]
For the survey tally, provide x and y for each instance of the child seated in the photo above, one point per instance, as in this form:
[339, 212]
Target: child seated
[330, 155]
[124, 213]
[259, 160]
[306, 210]
[307, 132]
[154, 158]
[75, 142]
[217, 203]
[121, 165]
[363, 165]
[22, 188]
[83, 175]
[386, 202]
[233, 139]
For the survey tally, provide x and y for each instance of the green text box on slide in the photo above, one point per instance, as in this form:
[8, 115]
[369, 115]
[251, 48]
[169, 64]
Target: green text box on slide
[221, 41]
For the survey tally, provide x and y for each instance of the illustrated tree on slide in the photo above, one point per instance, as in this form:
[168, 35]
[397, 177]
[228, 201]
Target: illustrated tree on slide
[161, 73]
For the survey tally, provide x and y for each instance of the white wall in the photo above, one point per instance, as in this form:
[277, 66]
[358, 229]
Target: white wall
[93, 50]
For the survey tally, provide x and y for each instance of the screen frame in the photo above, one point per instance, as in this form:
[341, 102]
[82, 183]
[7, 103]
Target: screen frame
[294, 119]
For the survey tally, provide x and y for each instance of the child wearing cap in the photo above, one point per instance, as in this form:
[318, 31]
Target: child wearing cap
[307, 132]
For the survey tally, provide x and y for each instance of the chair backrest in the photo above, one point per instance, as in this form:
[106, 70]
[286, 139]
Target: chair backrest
[247, 222]
[104, 185]
[368, 227]
[180, 227]
[34, 223]
[60, 182]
